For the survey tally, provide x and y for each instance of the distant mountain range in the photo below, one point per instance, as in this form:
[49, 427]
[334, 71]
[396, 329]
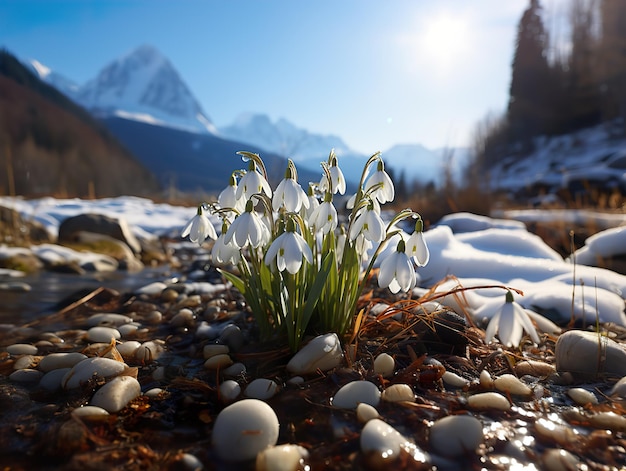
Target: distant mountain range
[143, 87]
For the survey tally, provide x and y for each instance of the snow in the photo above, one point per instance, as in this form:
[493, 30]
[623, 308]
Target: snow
[465, 250]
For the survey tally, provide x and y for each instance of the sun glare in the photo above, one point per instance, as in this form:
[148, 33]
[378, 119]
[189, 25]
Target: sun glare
[444, 39]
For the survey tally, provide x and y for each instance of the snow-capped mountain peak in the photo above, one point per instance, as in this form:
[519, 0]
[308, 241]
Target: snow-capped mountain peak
[145, 86]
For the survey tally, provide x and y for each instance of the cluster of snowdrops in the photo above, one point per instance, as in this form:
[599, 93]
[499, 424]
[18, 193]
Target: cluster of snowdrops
[299, 262]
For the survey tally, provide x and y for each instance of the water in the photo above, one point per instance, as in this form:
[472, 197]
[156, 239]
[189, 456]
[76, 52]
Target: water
[52, 291]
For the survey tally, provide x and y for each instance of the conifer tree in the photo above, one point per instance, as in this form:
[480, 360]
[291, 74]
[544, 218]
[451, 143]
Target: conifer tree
[529, 110]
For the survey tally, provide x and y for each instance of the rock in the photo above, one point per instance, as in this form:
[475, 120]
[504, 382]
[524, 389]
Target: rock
[354, 393]
[22, 349]
[247, 427]
[13, 227]
[535, 368]
[103, 334]
[90, 412]
[384, 365]
[22, 260]
[54, 361]
[382, 444]
[365, 412]
[619, 388]
[52, 380]
[116, 394]
[99, 224]
[512, 385]
[229, 391]
[286, 457]
[26, 375]
[112, 247]
[581, 396]
[261, 388]
[488, 401]
[322, 353]
[108, 319]
[398, 393]
[589, 355]
[91, 368]
[456, 435]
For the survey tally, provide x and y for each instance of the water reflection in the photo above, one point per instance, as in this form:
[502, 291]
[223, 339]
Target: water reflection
[49, 290]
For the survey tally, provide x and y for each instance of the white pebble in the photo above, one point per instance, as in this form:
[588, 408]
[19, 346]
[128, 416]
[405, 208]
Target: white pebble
[619, 388]
[456, 435]
[559, 460]
[108, 319]
[382, 440]
[229, 391]
[581, 396]
[384, 365]
[512, 385]
[534, 368]
[247, 426]
[218, 362]
[26, 375]
[127, 330]
[22, 349]
[559, 433]
[117, 393]
[51, 381]
[190, 462]
[103, 334]
[609, 421]
[213, 349]
[486, 381]
[488, 401]
[90, 412]
[365, 413]
[261, 388]
[128, 349]
[154, 392]
[25, 362]
[235, 370]
[398, 393]
[153, 288]
[454, 380]
[184, 318]
[286, 457]
[322, 353]
[148, 351]
[91, 368]
[54, 361]
[352, 394]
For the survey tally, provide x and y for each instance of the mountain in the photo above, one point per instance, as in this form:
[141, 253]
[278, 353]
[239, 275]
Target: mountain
[53, 146]
[194, 162]
[141, 85]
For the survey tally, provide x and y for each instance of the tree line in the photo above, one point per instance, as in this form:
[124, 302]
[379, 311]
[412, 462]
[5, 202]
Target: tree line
[560, 84]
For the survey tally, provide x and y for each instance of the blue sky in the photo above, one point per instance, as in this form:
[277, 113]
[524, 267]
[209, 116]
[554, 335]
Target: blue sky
[376, 73]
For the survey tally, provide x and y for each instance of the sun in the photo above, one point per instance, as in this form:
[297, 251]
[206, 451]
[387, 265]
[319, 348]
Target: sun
[444, 38]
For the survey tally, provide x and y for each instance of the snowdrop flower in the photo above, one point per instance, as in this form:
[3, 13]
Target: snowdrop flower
[313, 203]
[225, 253]
[370, 224]
[397, 271]
[289, 193]
[228, 198]
[416, 245]
[252, 182]
[510, 322]
[324, 218]
[247, 228]
[385, 191]
[338, 181]
[199, 228]
[288, 249]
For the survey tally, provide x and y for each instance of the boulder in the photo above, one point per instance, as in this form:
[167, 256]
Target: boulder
[116, 228]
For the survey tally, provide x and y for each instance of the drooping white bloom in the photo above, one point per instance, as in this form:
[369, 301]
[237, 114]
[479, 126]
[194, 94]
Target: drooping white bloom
[199, 228]
[251, 183]
[510, 322]
[338, 181]
[247, 228]
[287, 250]
[397, 271]
[324, 218]
[385, 192]
[370, 224]
[228, 198]
[289, 194]
[417, 248]
[225, 253]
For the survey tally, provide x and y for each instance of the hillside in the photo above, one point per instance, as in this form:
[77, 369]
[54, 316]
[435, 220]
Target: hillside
[50, 145]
